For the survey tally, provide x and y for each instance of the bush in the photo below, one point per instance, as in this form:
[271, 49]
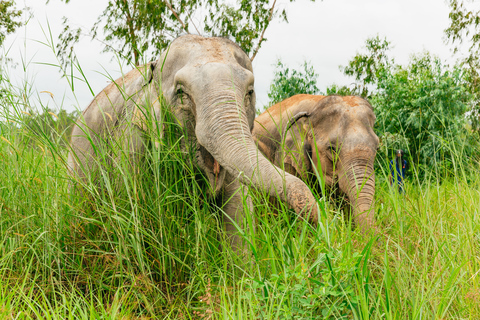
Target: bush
[421, 107]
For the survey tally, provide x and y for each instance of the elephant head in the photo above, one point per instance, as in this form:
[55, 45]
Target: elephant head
[329, 137]
[209, 84]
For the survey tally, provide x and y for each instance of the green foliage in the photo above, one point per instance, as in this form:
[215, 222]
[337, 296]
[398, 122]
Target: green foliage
[134, 28]
[423, 106]
[288, 82]
[369, 68]
[8, 18]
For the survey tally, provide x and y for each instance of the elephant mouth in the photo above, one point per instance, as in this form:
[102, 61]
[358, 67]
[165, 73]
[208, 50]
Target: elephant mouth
[214, 171]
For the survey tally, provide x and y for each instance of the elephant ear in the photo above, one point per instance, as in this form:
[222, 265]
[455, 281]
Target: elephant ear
[296, 146]
[147, 105]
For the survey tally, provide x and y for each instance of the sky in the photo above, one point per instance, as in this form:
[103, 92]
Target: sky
[325, 33]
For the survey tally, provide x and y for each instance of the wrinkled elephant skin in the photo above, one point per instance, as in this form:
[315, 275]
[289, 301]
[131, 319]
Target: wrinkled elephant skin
[330, 135]
[210, 85]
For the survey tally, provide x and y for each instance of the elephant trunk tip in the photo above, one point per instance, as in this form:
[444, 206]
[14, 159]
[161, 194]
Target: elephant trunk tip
[365, 221]
[300, 198]
[311, 212]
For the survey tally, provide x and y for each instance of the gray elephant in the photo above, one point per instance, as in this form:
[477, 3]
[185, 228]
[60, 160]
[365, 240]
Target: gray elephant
[210, 85]
[330, 136]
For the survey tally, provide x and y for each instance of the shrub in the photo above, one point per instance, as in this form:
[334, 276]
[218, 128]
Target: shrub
[421, 107]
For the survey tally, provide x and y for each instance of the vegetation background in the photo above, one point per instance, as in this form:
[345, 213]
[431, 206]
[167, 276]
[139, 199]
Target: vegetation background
[150, 247]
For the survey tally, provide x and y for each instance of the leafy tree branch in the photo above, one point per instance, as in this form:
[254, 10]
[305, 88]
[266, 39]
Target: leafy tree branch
[367, 68]
[464, 30]
[9, 16]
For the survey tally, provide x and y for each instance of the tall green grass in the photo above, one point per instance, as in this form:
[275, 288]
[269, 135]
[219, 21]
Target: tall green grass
[149, 244]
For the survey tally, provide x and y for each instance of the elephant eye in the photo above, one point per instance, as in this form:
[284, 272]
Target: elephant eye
[333, 150]
[308, 149]
[181, 94]
[250, 92]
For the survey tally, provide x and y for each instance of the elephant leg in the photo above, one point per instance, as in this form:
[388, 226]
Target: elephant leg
[237, 203]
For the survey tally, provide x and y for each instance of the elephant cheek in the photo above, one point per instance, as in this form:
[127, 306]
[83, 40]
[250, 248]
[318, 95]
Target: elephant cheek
[323, 168]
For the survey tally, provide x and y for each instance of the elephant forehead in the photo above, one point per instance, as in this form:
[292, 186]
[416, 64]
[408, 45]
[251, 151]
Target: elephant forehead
[214, 76]
[361, 113]
[204, 50]
[299, 101]
[339, 121]
[189, 58]
[353, 101]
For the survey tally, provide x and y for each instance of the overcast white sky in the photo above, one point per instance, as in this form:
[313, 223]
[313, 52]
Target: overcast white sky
[327, 33]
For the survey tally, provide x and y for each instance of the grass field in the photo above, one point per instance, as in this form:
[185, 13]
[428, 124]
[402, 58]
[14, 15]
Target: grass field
[149, 247]
[150, 244]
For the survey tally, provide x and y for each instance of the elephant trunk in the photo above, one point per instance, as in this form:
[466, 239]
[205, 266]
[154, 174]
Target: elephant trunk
[357, 181]
[222, 128]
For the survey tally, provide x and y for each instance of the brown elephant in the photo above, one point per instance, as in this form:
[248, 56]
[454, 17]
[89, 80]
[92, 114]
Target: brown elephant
[209, 84]
[330, 137]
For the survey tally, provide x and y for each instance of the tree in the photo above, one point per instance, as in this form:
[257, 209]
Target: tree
[369, 67]
[133, 28]
[288, 82]
[136, 28]
[8, 19]
[464, 29]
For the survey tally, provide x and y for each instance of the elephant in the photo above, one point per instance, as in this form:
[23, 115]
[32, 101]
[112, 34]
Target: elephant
[326, 137]
[209, 85]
